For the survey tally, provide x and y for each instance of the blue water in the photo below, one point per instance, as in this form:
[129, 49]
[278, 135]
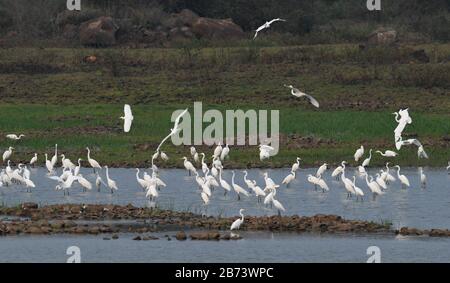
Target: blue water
[415, 207]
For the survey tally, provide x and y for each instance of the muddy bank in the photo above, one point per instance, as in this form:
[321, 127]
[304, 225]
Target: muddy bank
[29, 218]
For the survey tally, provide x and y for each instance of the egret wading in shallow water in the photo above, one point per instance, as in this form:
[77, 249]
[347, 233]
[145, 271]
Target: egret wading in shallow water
[94, 164]
[48, 164]
[188, 165]
[321, 170]
[111, 183]
[15, 137]
[238, 222]
[127, 118]
[224, 184]
[387, 153]
[402, 178]
[84, 183]
[142, 183]
[338, 171]
[297, 93]
[448, 167]
[7, 154]
[266, 25]
[77, 169]
[55, 156]
[358, 192]
[366, 162]
[313, 180]
[359, 153]
[373, 186]
[277, 204]
[323, 185]
[99, 182]
[289, 178]
[423, 178]
[258, 191]
[238, 189]
[296, 165]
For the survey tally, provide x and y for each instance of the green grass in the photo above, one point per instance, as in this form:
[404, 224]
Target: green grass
[338, 134]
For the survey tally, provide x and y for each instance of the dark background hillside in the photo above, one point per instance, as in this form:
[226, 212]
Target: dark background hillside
[320, 21]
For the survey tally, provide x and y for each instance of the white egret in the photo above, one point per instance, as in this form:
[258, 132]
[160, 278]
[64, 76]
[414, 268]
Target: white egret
[423, 178]
[55, 157]
[323, 185]
[217, 151]
[248, 182]
[373, 186]
[188, 165]
[26, 173]
[127, 118]
[34, 159]
[277, 204]
[224, 184]
[321, 170]
[358, 192]
[94, 164]
[99, 182]
[48, 164]
[7, 154]
[111, 183]
[296, 165]
[140, 181]
[238, 222]
[64, 184]
[359, 153]
[204, 165]
[174, 130]
[338, 170]
[289, 178]
[84, 182]
[265, 151]
[266, 25]
[270, 184]
[313, 180]
[348, 185]
[389, 177]
[448, 167]
[205, 198]
[258, 191]
[14, 136]
[164, 156]
[238, 189]
[76, 171]
[225, 152]
[403, 179]
[366, 161]
[66, 163]
[297, 93]
[388, 153]
[380, 181]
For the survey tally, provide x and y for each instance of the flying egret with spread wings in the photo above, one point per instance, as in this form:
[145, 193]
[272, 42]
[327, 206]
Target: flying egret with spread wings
[297, 93]
[174, 130]
[267, 25]
[127, 118]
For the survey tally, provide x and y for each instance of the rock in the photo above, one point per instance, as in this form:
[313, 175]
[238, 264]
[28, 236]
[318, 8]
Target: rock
[115, 237]
[181, 236]
[137, 238]
[75, 17]
[106, 239]
[216, 29]
[98, 32]
[29, 205]
[187, 17]
[438, 233]
[421, 56]
[34, 230]
[383, 37]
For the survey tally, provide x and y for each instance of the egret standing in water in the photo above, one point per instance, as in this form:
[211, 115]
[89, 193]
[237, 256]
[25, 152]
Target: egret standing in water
[358, 192]
[321, 170]
[423, 178]
[127, 118]
[296, 165]
[289, 178]
[238, 189]
[297, 93]
[189, 167]
[111, 183]
[238, 222]
[366, 162]
[402, 178]
[55, 157]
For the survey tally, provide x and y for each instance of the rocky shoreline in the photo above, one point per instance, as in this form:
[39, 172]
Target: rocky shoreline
[94, 219]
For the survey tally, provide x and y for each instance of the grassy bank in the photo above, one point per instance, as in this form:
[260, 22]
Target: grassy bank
[55, 96]
[315, 136]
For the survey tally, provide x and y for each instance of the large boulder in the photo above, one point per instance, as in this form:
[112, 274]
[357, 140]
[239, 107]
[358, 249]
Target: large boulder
[99, 32]
[382, 37]
[216, 29]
